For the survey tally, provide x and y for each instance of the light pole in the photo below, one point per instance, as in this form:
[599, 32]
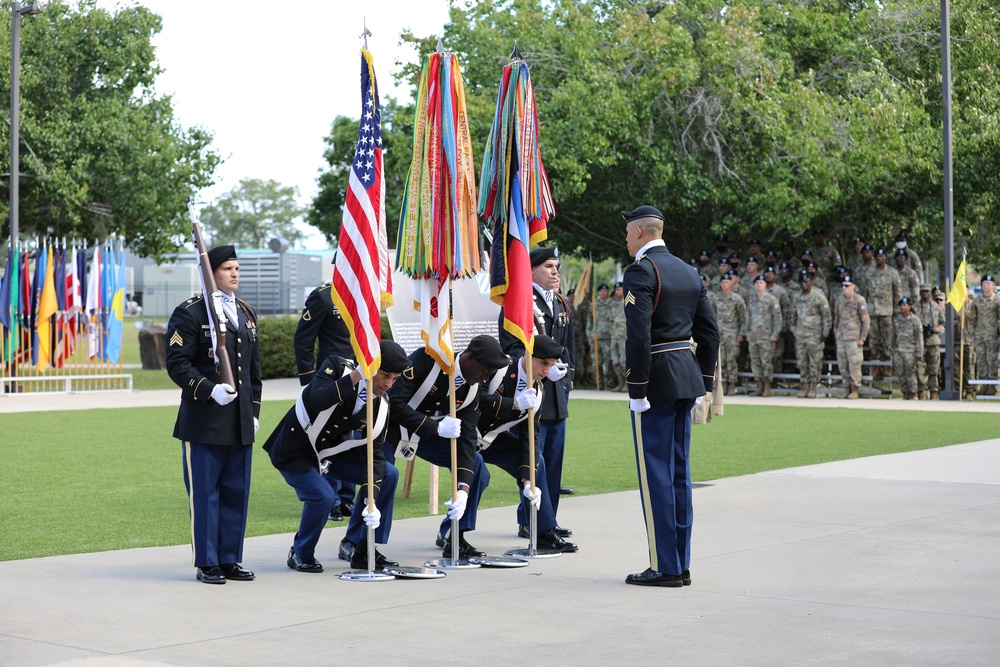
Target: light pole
[15, 109]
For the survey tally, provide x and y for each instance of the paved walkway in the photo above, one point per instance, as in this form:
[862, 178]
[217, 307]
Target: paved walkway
[888, 560]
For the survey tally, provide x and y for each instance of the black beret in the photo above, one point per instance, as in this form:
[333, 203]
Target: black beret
[728, 275]
[988, 277]
[703, 277]
[905, 300]
[724, 260]
[642, 212]
[858, 239]
[804, 276]
[541, 255]
[751, 258]
[811, 265]
[618, 284]
[704, 253]
[723, 238]
[847, 279]
[546, 348]
[880, 251]
[787, 244]
[818, 232]
[486, 350]
[734, 255]
[785, 265]
[220, 254]
[693, 262]
[901, 252]
[770, 253]
[760, 277]
[394, 359]
[602, 286]
[868, 246]
[754, 242]
[901, 236]
[807, 252]
[840, 269]
[769, 269]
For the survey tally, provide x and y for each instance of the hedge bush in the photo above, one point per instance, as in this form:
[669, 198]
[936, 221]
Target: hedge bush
[277, 346]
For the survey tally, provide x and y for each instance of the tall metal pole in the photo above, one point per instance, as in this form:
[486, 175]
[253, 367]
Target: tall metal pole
[15, 119]
[950, 393]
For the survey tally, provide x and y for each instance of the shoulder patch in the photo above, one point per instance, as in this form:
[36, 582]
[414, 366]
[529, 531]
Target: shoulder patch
[864, 307]
[408, 373]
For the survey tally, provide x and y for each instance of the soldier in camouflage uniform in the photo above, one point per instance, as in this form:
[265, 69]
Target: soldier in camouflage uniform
[861, 272]
[912, 258]
[618, 335]
[763, 327]
[882, 296]
[603, 329]
[731, 315]
[788, 255]
[850, 326]
[932, 317]
[583, 332]
[810, 321]
[909, 282]
[825, 256]
[721, 270]
[855, 262]
[965, 354]
[907, 347]
[784, 343]
[704, 265]
[984, 330]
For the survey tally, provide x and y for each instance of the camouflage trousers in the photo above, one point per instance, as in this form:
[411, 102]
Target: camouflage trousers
[782, 346]
[604, 358]
[965, 358]
[729, 352]
[809, 356]
[907, 366]
[880, 337]
[927, 380]
[986, 358]
[618, 355]
[761, 350]
[849, 358]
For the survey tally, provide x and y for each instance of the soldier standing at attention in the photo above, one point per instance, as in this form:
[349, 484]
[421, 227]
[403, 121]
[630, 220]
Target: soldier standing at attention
[825, 256]
[810, 320]
[909, 281]
[763, 327]
[731, 316]
[912, 258]
[851, 322]
[321, 321]
[618, 335]
[216, 422]
[984, 330]
[603, 325]
[908, 347]
[665, 307]
[884, 293]
[784, 298]
[933, 320]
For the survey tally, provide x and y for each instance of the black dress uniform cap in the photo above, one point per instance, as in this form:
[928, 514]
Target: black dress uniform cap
[394, 359]
[642, 212]
[541, 255]
[220, 254]
[546, 348]
[486, 350]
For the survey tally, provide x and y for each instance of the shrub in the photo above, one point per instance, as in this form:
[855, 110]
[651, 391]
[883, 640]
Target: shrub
[277, 346]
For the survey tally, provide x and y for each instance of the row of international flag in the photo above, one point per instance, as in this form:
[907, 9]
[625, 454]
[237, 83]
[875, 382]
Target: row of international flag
[55, 297]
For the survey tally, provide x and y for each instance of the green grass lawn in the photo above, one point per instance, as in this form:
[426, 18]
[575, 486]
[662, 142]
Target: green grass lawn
[97, 480]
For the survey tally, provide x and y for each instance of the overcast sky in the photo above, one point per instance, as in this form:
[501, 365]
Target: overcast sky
[268, 78]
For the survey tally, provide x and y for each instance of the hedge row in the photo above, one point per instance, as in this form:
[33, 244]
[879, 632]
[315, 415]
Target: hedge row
[277, 345]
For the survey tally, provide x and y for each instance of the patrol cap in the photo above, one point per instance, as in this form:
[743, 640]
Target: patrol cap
[602, 286]
[988, 278]
[939, 296]
[546, 348]
[760, 277]
[541, 255]
[394, 359]
[924, 287]
[486, 350]
[220, 254]
[804, 276]
[642, 212]
[905, 300]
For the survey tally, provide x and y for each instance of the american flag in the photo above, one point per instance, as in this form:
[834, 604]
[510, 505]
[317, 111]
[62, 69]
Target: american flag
[362, 280]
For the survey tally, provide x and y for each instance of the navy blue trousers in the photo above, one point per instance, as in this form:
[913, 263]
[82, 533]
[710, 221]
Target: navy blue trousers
[551, 443]
[345, 490]
[217, 479]
[662, 437]
[505, 453]
[438, 452]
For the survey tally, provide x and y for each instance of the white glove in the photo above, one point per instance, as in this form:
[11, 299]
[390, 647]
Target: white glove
[698, 401]
[372, 519]
[558, 371]
[256, 425]
[638, 405]
[456, 507]
[534, 498]
[223, 394]
[449, 427]
[527, 399]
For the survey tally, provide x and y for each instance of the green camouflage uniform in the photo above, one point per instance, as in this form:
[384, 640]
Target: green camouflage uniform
[826, 257]
[931, 315]
[810, 320]
[731, 315]
[907, 350]
[763, 322]
[603, 327]
[618, 335]
[882, 296]
[851, 323]
[784, 298]
[984, 327]
[909, 283]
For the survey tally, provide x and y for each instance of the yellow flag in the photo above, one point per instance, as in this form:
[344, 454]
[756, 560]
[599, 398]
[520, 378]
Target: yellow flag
[959, 290]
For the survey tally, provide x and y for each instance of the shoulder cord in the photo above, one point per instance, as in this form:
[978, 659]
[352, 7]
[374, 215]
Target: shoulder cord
[659, 283]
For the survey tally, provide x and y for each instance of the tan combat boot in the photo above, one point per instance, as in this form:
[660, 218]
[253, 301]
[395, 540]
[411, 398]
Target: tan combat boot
[759, 391]
[934, 396]
[854, 393]
[811, 393]
[805, 386]
[767, 388]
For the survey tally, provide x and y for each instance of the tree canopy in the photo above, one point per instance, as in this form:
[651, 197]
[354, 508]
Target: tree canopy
[100, 152]
[253, 213]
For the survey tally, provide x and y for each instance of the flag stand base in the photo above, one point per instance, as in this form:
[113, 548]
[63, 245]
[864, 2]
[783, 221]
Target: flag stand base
[451, 564]
[404, 572]
[499, 561]
[532, 553]
[365, 575]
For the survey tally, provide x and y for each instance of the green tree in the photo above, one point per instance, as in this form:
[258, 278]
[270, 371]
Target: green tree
[100, 152]
[253, 213]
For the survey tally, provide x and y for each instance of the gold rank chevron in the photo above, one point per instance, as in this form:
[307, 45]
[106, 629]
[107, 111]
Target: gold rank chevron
[176, 339]
[629, 299]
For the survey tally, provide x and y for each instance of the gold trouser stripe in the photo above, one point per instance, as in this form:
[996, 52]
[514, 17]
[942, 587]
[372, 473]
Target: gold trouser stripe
[190, 476]
[644, 489]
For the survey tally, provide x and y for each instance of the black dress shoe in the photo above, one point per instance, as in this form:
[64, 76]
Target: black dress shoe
[522, 531]
[465, 550]
[236, 572]
[296, 563]
[346, 508]
[550, 539]
[654, 578]
[360, 559]
[441, 539]
[563, 532]
[346, 550]
[566, 491]
[211, 575]
[336, 514]
[686, 577]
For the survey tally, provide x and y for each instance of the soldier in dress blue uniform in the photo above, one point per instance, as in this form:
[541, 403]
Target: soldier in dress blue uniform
[553, 318]
[665, 307]
[326, 429]
[216, 423]
[321, 321]
[503, 434]
[421, 425]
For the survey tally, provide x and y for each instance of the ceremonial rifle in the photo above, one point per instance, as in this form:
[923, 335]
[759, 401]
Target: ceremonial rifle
[213, 301]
